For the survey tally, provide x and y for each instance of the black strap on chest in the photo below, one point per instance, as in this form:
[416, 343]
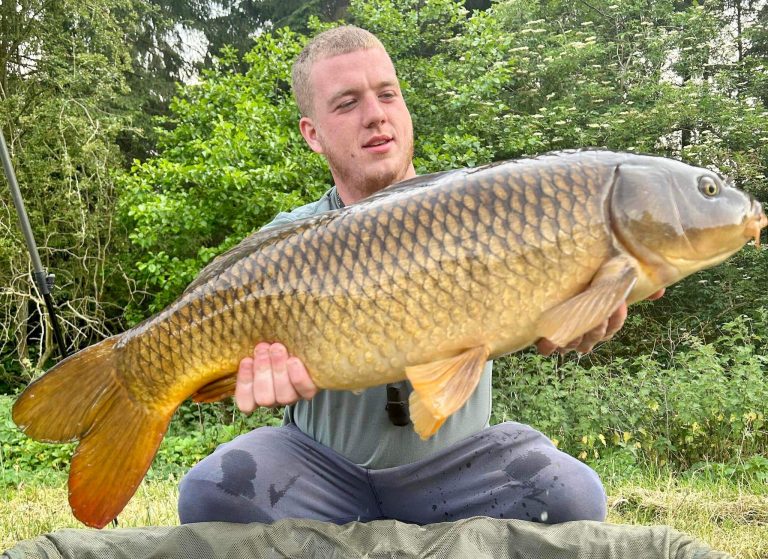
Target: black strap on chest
[397, 404]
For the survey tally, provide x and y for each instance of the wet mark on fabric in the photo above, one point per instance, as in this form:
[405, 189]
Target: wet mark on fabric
[275, 495]
[526, 467]
[238, 470]
[534, 496]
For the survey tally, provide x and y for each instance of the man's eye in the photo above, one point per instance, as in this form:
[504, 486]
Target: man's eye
[387, 95]
[346, 104]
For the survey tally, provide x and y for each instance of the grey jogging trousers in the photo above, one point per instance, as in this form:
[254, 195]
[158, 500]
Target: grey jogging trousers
[505, 471]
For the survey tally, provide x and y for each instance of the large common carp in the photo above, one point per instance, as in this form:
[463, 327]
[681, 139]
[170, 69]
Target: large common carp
[426, 281]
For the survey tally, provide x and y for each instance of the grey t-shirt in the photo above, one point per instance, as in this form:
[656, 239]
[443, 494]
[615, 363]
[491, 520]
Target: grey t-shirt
[357, 426]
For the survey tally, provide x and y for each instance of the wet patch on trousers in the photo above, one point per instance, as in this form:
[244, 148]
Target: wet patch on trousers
[524, 469]
[238, 470]
[275, 495]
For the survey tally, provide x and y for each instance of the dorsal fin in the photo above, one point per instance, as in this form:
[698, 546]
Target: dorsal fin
[273, 234]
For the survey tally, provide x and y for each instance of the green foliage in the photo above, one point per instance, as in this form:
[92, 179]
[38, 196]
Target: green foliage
[20, 455]
[684, 379]
[516, 79]
[231, 159]
[61, 84]
[524, 78]
[681, 406]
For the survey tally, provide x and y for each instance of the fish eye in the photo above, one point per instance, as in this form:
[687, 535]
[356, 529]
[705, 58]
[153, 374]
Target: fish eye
[708, 187]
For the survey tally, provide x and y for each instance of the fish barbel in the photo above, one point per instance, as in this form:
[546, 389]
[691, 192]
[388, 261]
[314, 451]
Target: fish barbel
[426, 280]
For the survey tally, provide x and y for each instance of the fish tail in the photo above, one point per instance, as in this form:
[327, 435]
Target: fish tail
[83, 398]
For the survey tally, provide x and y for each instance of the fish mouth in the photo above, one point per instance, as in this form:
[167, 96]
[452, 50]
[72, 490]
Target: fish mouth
[756, 222]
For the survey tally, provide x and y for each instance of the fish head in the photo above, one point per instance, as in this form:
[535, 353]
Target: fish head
[677, 219]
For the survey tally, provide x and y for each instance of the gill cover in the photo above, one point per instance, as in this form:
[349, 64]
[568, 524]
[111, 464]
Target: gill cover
[675, 218]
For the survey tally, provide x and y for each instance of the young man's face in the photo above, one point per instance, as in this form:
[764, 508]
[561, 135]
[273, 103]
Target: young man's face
[359, 122]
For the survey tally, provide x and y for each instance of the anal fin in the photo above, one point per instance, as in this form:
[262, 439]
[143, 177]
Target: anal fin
[216, 390]
[442, 387]
[611, 285]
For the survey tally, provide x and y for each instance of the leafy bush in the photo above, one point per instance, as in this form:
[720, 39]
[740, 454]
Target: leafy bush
[703, 403]
[19, 454]
[232, 157]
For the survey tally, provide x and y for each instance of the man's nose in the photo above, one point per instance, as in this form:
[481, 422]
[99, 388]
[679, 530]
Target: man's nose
[374, 113]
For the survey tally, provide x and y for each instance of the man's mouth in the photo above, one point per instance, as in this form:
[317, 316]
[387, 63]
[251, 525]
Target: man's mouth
[377, 142]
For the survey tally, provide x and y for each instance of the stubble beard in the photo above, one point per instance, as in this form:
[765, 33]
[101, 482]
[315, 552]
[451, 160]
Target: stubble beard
[354, 177]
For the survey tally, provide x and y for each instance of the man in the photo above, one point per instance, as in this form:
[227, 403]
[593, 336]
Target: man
[339, 457]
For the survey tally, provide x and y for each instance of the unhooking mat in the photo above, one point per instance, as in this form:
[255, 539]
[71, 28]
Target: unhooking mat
[472, 538]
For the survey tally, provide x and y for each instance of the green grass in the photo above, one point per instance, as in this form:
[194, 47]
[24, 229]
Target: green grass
[729, 515]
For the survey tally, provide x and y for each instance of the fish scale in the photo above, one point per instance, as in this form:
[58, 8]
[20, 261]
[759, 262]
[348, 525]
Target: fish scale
[424, 281]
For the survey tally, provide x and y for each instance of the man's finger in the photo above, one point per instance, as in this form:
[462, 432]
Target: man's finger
[570, 346]
[593, 337]
[616, 320]
[263, 383]
[244, 386]
[545, 347]
[300, 378]
[285, 393]
[658, 295]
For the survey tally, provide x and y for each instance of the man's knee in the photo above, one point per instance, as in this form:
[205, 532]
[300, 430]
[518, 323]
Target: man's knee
[223, 486]
[556, 487]
[205, 501]
[576, 494]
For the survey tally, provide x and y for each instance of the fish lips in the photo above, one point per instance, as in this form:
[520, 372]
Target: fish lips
[756, 222]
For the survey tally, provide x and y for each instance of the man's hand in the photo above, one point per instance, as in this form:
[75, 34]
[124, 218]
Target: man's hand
[271, 378]
[601, 333]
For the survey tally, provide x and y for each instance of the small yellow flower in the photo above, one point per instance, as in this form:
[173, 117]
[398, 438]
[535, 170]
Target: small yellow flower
[626, 436]
[555, 442]
[583, 455]
[602, 439]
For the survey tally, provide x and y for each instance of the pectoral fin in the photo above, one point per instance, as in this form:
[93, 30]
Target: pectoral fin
[442, 387]
[570, 319]
[216, 390]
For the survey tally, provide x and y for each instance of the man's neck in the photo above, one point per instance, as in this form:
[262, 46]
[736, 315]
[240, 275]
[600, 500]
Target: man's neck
[350, 195]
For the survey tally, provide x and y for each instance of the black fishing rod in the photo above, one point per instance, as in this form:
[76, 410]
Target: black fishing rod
[42, 279]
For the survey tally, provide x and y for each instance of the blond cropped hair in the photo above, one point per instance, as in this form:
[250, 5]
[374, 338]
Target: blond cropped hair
[336, 41]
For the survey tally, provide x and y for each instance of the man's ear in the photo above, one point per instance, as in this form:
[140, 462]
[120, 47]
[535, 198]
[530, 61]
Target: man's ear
[308, 130]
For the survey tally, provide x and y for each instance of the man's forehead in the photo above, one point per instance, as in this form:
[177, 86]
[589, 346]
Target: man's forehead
[371, 64]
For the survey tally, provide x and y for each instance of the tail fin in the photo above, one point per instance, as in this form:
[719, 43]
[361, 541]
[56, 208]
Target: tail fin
[83, 398]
